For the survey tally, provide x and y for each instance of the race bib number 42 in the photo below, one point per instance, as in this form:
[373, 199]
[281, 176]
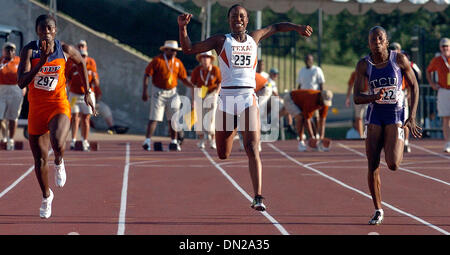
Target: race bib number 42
[46, 82]
[390, 95]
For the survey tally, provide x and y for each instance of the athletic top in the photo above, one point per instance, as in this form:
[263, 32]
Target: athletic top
[308, 102]
[8, 71]
[441, 65]
[49, 84]
[260, 82]
[389, 77]
[237, 62]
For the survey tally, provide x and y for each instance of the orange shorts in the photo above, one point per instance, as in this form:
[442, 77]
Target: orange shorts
[39, 115]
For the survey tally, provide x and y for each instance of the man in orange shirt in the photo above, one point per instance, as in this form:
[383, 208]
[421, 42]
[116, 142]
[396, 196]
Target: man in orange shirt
[81, 112]
[165, 70]
[11, 96]
[441, 65]
[302, 103]
[207, 78]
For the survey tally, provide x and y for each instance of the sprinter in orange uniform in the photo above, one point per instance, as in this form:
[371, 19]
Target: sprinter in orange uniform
[41, 68]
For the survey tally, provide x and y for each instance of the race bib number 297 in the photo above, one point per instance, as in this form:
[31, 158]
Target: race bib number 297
[46, 82]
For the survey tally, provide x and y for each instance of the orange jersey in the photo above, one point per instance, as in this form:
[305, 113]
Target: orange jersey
[352, 79]
[438, 64]
[75, 78]
[211, 79]
[260, 82]
[47, 91]
[8, 71]
[308, 101]
[165, 73]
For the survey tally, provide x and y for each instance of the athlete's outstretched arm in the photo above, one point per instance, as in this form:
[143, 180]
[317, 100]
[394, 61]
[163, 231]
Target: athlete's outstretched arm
[358, 96]
[413, 87]
[214, 42]
[263, 33]
[76, 57]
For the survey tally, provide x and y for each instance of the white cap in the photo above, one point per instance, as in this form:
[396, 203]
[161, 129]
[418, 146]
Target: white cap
[444, 41]
[327, 97]
[82, 42]
[170, 44]
[9, 44]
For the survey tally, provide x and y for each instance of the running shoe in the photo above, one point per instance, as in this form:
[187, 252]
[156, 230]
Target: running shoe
[447, 147]
[212, 143]
[201, 144]
[46, 206]
[258, 204]
[60, 174]
[146, 145]
[301, 146]
[72, 145]
[10, 145]
[86, 145]
[377, 218]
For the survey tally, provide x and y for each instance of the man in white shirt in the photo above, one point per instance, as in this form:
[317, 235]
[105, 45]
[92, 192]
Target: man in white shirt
[310, 76]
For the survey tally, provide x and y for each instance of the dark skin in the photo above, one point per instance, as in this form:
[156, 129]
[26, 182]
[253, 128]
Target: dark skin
[385, 137]
[238, 21]
[59, 125]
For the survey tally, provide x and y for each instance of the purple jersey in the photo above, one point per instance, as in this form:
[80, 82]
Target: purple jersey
[389, 77]
[389, 109]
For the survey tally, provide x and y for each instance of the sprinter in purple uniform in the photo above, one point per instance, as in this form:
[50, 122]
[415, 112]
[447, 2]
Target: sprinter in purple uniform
[385, 114]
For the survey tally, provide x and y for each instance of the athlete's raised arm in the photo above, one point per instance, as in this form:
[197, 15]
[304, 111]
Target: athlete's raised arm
[263, 33]
[214, 42]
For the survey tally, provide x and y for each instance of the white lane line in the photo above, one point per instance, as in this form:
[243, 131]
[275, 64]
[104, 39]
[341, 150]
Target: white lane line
[429, 151]
[123, 198]
[400, 168]
[357, 190]
[10, 187]
[246, 195]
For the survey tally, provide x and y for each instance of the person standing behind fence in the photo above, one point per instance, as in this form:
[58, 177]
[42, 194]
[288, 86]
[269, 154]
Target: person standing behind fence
[165, 70]
[11, 96]
[81, 112]
[311, 77]
[207, 78]
[441, 65]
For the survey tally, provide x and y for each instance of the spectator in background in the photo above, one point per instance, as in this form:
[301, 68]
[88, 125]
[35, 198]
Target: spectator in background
[311, 77]
[301, 104]
[11, 96]
[165, 70]
[260, 69]
[440, 64]
[359, 109]
[81, 112]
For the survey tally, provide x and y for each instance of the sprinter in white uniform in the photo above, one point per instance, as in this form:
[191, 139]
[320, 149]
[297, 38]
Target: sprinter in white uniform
[238, 106]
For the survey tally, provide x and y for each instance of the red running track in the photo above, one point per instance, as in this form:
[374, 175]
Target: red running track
[193, 192]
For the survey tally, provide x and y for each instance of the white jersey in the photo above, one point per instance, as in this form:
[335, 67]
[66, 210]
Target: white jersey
[237, 62]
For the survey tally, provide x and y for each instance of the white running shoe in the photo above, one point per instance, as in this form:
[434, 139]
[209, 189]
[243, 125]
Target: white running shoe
[212, 143]
[258, 204]
[72, 145]
[10, 145]
[86, 145]
[377, 218]
[147, 145]
[60, 174]
[301, 146]
[447, 147]
[201, 144]
[46, 206]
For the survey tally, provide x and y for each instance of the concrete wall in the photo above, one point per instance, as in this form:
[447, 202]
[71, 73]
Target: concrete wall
[120, 67]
